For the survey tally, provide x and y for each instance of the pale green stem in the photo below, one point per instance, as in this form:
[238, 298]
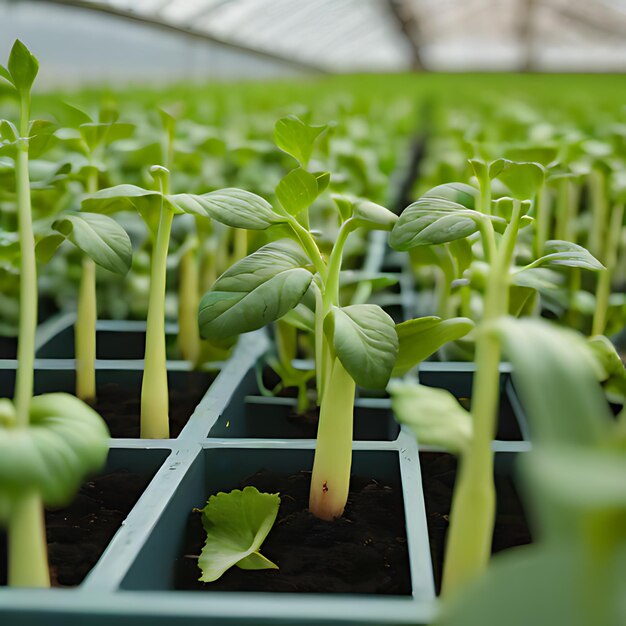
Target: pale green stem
[86, 317]
[240, 244]
[330, 481]
[603, 290]
[473, 504]
[599, 210]
[543, 215]
[28, 557]
[309, 245]
[154, 390]
[319, 342]
[188, 300]
[28, 276]
[488, 238]
[485, 196]
[562, 210]
[85, 332]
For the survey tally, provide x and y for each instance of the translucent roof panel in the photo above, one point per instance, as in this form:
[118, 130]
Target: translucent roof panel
[394, 35]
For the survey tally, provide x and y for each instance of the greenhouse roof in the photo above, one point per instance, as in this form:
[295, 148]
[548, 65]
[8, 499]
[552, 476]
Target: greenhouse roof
[397, 35]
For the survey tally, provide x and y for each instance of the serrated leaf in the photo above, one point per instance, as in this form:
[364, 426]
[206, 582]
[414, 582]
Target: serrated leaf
[255, 291]
[434, 415]
[297, 191]
[23, 67]
[65, 440]
[364, 340]
[236, 525]
[296, 138]
[566, 254]
[421, 337]
[100, 237]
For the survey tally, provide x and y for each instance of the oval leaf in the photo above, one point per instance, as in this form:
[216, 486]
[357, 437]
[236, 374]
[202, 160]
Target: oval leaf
[365, 341]
[236, 526]
[65, 441]
[421, 337]
[297, 191]
[566, 254]
[23, 67]
[255, 291]
[296, 138]
[234, 207]
[100, 237]
[434, 415]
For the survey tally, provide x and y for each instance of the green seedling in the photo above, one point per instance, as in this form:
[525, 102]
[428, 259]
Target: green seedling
[436, 219]
[574, 487]
[50, 442]
[158, 208]
[354, 344]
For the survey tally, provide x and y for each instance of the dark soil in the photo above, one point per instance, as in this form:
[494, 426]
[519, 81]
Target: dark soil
[438, 477]
[363, 552]
[8, 348]
[120, 407]
[78, 535]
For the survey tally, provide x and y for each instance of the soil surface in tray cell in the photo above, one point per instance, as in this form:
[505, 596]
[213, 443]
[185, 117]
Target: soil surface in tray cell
[121, 407]
[438, 477]
[365, 551]
[78, 535]
[8, 348]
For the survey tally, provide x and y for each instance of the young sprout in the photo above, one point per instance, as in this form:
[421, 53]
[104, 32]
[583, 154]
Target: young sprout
[158, 207]
[50, 442]
[354, 344]
[437, 219]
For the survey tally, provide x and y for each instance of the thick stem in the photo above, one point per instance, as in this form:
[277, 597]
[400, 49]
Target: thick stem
[319, 342]
[240, 244]
[28, 276]
[599, 210]
[154, 390]
[603, 289]
[85, 332]
[333, 451]
[309, 245]
[86, 317]
[543, 216]
[28, 556]
[473, 504]
[188, 299]
[562, 209]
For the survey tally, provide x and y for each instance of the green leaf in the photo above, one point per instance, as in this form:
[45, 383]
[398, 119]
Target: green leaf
[373, 216]
[236, 525]
[100, 237]
[522, 179]
[23, 67]
[556, 376]
[65, 441]
[431, 221]
[421, 337]
[296, 138]
[344, 206]
[4, 73]
[234, 207]
[566, 254]
[47, 246]
[365, 341]
[297, 191]
[323, 180]
[613, 371]
[536, 585]
[434, 415]
[255, 291]
[459, 193]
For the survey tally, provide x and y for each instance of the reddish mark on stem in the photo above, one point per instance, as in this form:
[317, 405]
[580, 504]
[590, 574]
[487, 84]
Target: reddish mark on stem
[325, 487]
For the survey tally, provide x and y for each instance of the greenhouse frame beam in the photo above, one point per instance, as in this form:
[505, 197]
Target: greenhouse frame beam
[155, 22]
[408, 23]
